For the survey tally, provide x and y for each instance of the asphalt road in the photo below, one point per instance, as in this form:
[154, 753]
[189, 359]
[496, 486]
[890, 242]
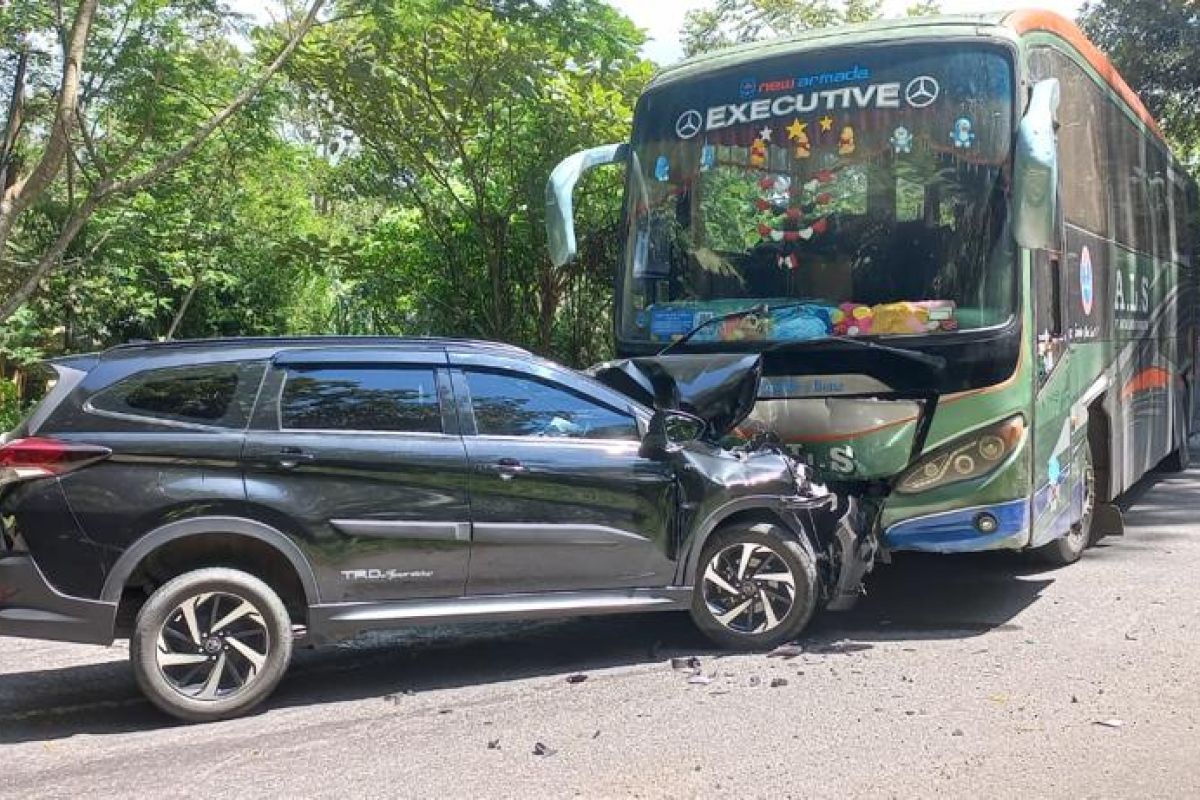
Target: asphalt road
[962, 676]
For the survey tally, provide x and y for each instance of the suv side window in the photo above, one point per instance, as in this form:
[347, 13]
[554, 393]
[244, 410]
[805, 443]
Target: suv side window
[509, 405]
[342, 398]
[212, 395]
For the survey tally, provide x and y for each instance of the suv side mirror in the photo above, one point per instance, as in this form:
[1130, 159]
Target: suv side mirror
[1035, 169]
[669, 429]
[560, 202]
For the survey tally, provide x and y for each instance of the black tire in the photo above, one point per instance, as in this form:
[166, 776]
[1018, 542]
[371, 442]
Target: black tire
[1068, 549]
[174, 658]
[774, 549]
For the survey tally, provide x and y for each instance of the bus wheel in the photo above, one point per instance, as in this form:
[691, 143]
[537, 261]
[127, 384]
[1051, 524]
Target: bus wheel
[1069, 548]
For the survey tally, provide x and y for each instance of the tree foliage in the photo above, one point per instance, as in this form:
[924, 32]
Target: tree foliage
[1155, 45]
[729, 22]
[458, 113]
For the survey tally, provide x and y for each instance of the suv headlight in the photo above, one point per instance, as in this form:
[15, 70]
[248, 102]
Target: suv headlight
[966, 458]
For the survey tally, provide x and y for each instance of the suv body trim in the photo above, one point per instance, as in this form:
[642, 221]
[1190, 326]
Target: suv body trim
[114, 583]
[345, 620]
[30, 606]
[405, 529]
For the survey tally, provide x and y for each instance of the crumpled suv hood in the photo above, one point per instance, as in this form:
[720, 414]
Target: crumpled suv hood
[720, 388]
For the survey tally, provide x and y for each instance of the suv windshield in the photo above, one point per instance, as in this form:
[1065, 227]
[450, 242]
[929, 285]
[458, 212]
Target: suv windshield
[869, 184]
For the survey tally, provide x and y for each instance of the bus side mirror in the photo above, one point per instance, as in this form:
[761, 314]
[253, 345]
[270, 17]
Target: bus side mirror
[1035, 169]
[560, 204]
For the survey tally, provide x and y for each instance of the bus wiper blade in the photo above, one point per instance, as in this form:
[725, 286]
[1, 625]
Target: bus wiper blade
[762, 309]
[933, 362]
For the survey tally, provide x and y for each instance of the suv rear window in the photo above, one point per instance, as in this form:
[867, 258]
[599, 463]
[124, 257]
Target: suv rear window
[360, 399]
[215, 395]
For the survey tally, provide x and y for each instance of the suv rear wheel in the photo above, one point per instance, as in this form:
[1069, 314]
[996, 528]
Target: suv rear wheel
[756, 587]
[211, 644]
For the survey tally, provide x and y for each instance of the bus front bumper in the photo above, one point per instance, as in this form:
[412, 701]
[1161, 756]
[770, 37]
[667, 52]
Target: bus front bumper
[999, 526]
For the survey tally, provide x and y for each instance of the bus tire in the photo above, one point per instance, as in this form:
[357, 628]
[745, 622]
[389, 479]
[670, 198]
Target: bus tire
[1178, 459]
[1069, 548]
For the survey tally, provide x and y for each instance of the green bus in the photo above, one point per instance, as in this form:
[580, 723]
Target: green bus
[961, 245]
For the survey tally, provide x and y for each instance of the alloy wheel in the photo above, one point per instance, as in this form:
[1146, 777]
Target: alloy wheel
[749, 588]
[212, 646]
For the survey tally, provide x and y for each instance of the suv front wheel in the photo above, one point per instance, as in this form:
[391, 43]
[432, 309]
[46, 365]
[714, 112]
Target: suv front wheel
[211, 644]
[756, 587]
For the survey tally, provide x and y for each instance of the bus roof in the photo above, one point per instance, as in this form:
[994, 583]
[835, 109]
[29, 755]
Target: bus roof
[1002, 24]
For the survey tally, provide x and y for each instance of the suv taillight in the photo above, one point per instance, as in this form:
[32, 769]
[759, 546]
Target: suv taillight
[41, 457]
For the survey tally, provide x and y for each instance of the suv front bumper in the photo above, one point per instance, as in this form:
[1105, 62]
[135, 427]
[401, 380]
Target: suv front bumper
[32, 608]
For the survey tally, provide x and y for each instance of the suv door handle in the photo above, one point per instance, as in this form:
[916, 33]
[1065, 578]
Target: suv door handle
[508, 468]
[292, 457]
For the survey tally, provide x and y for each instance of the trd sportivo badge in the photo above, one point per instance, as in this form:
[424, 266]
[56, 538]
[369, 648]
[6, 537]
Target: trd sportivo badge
[384, 574]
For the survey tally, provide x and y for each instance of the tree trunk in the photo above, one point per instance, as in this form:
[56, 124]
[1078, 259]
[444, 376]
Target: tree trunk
[183, 308]
[24, 191]
[12, 126]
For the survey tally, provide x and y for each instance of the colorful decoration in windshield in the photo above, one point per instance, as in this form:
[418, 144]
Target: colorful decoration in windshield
[846, 141]
[758, 148]
[662, 169]
[798, 134]
[901, 141]
[792, 322]
[788, 223]
[962, 136]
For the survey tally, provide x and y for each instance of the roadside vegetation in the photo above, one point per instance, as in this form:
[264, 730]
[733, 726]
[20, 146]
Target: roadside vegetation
[172, 169]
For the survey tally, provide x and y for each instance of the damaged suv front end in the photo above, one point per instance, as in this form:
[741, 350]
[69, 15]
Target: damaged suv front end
[700, 401]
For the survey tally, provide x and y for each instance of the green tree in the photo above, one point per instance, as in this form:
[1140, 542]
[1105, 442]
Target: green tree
[1155, 45]
[458, 112]
[123, 95]
[730, 22]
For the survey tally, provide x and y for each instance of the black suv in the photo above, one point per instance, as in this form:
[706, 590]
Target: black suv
[213, 499]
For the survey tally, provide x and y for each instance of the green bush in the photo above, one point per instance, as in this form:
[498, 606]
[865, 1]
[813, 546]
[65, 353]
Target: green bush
[12, 410]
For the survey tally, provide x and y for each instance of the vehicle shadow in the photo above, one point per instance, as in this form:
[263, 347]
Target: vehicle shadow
[918, 597]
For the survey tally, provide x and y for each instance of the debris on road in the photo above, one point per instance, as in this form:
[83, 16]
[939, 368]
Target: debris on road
[540, 749]
[1110, 723]
[777, 682]
[396, 697]
[578, 677]
[755, 680]
[685, 662]
[786, 651]
[493, 744]
[700, 680]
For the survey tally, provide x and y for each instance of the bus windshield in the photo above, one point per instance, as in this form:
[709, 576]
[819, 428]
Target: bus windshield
[852, 193]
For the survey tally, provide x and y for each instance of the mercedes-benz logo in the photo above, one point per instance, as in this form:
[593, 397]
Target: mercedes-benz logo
[688, 124]
[922, 91]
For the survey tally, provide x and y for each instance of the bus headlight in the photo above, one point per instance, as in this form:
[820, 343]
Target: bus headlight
[969, 457]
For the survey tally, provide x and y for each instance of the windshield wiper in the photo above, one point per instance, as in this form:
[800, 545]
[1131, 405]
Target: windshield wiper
[933, 362]
[762, 309]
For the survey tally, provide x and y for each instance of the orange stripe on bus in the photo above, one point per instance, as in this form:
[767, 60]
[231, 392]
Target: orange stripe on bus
[1147, 379]
[1036, 20]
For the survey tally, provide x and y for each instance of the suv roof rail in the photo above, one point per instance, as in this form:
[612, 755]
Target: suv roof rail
[319, 341]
